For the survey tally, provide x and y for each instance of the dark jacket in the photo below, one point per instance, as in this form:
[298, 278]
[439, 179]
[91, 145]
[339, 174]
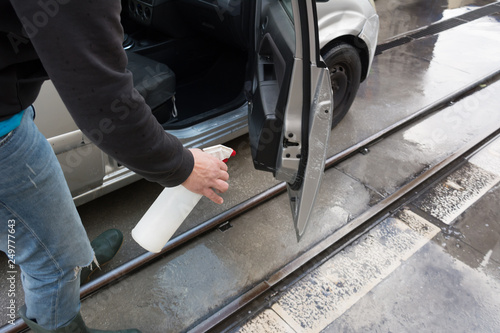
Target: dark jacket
[78, 45]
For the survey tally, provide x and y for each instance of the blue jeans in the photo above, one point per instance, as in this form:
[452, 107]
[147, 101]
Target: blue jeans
[38, 216]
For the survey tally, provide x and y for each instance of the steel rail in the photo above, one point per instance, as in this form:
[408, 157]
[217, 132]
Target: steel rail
[241, 208]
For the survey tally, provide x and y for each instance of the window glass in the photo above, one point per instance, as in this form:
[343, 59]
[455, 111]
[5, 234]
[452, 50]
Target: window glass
[287, 4]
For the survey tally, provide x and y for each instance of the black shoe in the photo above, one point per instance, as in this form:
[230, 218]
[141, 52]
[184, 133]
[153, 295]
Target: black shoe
[105, 247]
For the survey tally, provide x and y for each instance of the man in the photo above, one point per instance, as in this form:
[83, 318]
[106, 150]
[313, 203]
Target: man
[78, 45]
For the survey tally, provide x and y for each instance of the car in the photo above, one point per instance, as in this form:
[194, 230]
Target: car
[213, 70]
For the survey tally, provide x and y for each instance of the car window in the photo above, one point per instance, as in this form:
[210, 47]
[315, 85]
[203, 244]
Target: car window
[287, 4]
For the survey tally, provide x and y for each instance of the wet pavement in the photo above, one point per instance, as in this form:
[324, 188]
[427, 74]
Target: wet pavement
[173, 293]
[417, 271]
[413, 76]
[398, 17]
[191, 283]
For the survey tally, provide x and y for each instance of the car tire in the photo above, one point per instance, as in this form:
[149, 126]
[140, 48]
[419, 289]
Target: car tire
[345, 74]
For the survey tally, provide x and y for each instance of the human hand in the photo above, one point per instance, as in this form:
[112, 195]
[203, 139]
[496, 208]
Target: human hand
[208, 174]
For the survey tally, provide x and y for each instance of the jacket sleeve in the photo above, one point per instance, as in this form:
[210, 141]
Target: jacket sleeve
[79, 43]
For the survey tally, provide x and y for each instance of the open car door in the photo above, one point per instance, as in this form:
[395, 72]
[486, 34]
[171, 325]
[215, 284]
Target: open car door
[291, 106]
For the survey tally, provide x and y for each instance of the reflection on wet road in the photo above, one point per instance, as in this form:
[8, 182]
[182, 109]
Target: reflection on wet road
[399, 17]
[414, 75]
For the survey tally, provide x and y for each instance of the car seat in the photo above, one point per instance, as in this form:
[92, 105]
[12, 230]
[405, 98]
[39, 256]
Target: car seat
[155, 82]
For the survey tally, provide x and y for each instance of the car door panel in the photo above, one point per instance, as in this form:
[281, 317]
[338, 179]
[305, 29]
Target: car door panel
[274, 62]
[302, 197]
[292, 103]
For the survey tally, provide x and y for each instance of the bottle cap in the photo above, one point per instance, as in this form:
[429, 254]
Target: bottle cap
[221, 152]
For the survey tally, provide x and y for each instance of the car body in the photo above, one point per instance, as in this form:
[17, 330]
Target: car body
[205, 43]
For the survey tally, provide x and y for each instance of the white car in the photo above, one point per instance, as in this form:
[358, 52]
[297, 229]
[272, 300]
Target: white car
[213, 70]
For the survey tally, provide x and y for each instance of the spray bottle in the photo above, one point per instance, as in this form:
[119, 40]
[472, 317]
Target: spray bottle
[170, 209]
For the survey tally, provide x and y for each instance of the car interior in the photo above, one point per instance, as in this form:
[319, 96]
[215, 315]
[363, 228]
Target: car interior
[189, 58]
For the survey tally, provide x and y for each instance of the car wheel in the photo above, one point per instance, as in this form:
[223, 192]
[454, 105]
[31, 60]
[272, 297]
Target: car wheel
[345, 74]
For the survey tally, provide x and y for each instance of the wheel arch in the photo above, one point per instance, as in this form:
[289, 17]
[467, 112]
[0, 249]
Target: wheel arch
[358, 44]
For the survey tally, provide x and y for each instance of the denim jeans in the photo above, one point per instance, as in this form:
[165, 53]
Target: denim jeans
[36, 207]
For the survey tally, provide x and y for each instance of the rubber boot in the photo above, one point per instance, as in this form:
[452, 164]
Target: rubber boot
[105, 246]
[75, 326]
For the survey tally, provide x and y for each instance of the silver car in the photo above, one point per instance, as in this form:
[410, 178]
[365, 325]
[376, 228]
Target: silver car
[213, 70]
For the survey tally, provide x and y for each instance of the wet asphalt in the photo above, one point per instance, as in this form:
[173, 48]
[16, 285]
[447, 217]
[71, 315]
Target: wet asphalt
[440, 281]
[431, 266]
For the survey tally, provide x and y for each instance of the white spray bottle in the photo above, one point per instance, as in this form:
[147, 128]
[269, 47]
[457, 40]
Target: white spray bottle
[170, 209]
